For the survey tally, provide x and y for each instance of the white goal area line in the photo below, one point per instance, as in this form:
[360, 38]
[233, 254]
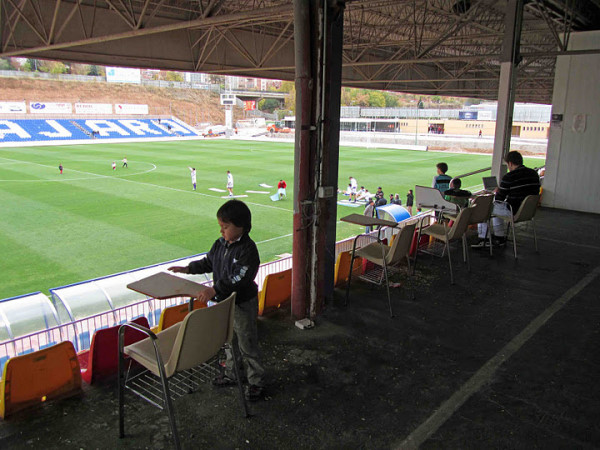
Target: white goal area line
[139, 182]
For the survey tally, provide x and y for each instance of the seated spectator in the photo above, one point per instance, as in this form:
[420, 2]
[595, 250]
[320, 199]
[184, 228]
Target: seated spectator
[457, 195]
[518, 183]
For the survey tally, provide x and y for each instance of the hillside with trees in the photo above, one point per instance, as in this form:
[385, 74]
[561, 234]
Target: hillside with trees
[194, 106]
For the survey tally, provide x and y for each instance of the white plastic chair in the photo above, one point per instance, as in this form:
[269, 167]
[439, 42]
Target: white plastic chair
[388, 258]
[525, 213]
[175, 360]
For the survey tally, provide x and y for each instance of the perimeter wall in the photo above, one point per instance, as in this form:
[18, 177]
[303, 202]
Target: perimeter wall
[573, 158]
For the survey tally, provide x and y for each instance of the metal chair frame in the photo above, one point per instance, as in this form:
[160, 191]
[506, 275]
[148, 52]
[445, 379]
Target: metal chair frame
[160, 391]
[449, 236]
[525, 213]
[378, 275]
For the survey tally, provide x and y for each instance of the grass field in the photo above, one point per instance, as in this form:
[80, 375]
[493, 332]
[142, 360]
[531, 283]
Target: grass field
[92, 221]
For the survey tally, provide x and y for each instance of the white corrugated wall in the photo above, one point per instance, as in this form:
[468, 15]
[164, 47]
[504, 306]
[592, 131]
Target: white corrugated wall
[573, 159]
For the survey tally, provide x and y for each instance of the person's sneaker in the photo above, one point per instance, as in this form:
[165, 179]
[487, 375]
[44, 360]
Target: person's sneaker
[253, 393]
[223, 381]
[481, 244]
[498, 241]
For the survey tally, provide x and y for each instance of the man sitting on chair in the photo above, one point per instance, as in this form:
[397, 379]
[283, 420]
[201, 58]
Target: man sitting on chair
[457, 195]
[518, 183]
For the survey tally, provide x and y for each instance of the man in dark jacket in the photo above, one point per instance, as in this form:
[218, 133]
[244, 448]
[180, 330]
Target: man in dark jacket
[518, 183]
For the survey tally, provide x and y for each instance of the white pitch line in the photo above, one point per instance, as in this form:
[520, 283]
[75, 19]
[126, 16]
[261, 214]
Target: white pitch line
[148, 184]
[275, 238]
[63, 179]
[488, 370]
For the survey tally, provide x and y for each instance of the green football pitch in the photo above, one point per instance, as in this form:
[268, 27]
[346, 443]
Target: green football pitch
[93, 221]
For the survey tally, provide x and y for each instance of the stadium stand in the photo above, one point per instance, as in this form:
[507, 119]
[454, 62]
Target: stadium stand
[32, 379]
[276, 290]
[75, 312]
[36, 130]
[101, 360]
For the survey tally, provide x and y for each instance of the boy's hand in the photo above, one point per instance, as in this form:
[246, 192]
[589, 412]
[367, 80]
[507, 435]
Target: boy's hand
[206, 294]
[178, 269]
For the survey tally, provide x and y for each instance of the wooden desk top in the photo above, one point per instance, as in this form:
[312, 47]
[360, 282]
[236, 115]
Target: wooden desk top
[359, 219]
[163, 285]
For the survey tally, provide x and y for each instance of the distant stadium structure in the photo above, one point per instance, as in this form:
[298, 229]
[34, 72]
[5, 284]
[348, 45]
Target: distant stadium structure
[47, 130]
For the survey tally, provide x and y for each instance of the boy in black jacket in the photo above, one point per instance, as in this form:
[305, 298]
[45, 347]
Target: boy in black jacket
[233, 261]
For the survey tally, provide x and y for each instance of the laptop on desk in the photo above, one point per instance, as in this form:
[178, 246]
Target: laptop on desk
[490, 184]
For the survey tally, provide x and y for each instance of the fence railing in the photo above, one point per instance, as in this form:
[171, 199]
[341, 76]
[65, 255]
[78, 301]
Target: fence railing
[80, 331]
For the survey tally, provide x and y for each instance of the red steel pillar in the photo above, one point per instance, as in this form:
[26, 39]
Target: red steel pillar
[318, 48]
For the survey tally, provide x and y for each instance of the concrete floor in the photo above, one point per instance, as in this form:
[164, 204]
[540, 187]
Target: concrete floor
[505, 358]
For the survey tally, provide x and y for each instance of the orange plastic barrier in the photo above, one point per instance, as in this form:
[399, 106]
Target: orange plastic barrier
[32, 379]
[276, 290]
[342, 268]
[175, 314]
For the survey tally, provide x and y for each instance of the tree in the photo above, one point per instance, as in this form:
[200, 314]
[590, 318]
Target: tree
[376, 99]
[360, 97]
[55, 67]
[79, 69]
[268, 104]
[391, 100]
[30, 65]
[287, 86]
[5, 64]
[290, 99]
[346, 97]
[472, 101]
[173, 76]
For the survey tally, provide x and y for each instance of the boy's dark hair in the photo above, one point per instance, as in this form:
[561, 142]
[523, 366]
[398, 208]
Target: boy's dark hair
[514, 157]
[456, 183]
[237, 213]
[442, 166]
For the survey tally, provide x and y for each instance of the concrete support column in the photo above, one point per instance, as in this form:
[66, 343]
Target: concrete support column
[509, 61]
[318, 48]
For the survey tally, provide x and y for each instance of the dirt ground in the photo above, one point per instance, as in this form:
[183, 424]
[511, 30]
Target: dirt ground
[190, 105]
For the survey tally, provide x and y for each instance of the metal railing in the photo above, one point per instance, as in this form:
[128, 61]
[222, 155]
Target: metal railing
[80, 331]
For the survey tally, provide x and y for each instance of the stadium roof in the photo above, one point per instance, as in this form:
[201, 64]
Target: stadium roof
[435, 47]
